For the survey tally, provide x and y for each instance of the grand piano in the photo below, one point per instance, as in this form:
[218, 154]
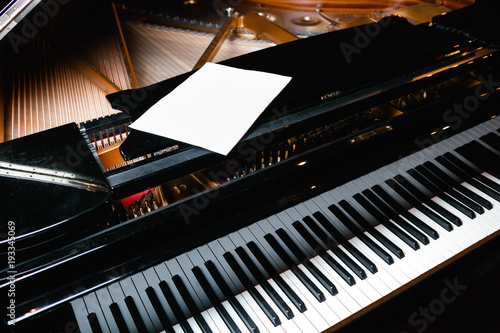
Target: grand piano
[365, 197]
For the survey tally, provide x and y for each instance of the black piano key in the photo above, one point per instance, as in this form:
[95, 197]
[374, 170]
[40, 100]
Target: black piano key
[374, 232]
[207, 288]
[313, 243]
[383, 220]
[398, 220]
[348, 246]
[94, 323]
[318, 275]
[296, 251]
[169, 296]
[136, 316]
[280, 303]
[412, 200]
[329, 243]
[160, 311]
[352, 249]
[118, 317]
[280, 251]
[463, 194]
[191, 305]
[271, 270]
[492, 140]
[466, 173]
[447, 194]
[221, 283]
[313, 289]
[268, 311]
[325, 282]
[424, 199]
[329, 227]
[480, 156]
[339, 269]
[429, 231]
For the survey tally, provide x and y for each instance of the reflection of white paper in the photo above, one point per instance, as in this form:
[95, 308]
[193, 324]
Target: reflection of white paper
[213, 108]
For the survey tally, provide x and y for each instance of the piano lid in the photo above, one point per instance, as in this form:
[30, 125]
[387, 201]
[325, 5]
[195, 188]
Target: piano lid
[323, 68]
[50, 182]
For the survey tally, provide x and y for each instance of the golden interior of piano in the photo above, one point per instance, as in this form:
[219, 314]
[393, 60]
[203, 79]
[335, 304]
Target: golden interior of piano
[61, 72]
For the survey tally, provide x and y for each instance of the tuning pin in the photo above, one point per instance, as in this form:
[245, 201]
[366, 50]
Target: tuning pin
[153, 201]
[138, 208]
[132, 211]
[147, 205]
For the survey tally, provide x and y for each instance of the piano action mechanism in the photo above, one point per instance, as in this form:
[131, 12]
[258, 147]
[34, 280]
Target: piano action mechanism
[371, 178]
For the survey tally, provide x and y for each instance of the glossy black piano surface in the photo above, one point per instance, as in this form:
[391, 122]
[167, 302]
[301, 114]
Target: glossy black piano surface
[373, 115]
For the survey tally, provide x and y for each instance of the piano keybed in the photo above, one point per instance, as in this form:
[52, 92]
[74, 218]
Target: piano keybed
[314, 265]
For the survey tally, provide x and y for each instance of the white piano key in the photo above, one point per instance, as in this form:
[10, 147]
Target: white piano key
[175, 269]
[287, 325]
[302, 320]
[247, 302]
[469, 232]
[229, 277]
[198, 261]
[348, 304]
[130, 290]
[259, 234]
[216, 320]
[194, 325]
[236, 318]
[105, 300]
[391, 275]
[116, 292]
[260, 319]
[315, 316]
[93, 306]
[153, 280]
[403, 264]
[381, 281]
[178, 329]
[333, 301]
[344, 297]
[429, 253]
[371, 286]
[229, 246]
[322, 307]
[359, 290]
[141, 286]
[443, 247]
[81, 313]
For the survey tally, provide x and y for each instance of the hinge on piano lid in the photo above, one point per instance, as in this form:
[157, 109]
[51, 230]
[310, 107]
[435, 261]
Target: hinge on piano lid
[370, 134]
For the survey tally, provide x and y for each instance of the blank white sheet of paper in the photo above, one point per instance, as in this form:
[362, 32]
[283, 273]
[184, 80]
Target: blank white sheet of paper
[213, 108]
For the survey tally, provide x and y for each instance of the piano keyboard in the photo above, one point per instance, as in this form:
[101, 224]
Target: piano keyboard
[309, 267]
